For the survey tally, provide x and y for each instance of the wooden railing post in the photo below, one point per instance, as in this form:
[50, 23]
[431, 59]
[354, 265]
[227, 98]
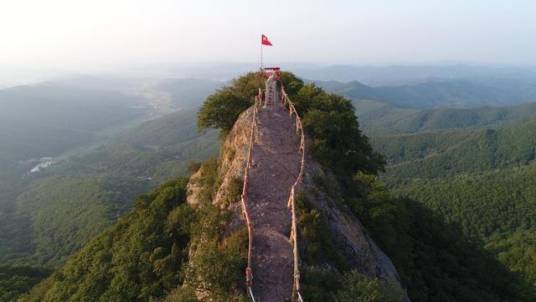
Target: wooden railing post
[296, 295]
[244, 198]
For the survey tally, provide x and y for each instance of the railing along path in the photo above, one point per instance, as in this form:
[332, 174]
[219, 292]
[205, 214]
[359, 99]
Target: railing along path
[292, 198]
[249, 271]
[296, 295]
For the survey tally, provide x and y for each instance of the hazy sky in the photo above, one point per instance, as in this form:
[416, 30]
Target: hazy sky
[108, 33]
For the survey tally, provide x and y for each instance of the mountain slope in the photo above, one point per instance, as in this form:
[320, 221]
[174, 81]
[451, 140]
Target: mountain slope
[461, 93]
[496, 206]
[407, 74]
[44, 120]
[140, 257]
[481, 181]
[434, 154]
[96, 187]
[380, 118]
[187, 241]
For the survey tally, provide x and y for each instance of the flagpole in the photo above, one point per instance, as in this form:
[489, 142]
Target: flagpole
[261, 56]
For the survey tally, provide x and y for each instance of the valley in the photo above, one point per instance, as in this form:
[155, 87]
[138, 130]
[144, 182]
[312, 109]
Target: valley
[472, 167]
[466, 171]
[66, 176]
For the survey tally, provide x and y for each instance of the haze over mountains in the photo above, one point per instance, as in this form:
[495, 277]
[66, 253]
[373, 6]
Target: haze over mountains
[134, 165]
[98, 143]
[76, 152]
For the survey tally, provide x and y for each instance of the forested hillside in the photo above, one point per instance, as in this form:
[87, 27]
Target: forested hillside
[44, 120]
[17, 280]
[380, 118]
[397, 75]
[435, 93]
[434, 154]
[140, 257]
[496, 207]
[75, 199]
[479, 179]
[164, 249]
[99, 156]
[449, 241]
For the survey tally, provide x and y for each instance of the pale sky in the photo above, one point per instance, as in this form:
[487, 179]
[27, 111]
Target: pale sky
[85, 34]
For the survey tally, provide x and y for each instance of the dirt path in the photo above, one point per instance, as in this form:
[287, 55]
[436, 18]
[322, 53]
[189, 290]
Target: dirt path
[276, 164]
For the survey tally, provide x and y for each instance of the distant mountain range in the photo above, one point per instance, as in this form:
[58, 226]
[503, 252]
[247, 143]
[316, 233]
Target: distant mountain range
[475, 168]
[442, 93]
[105, 145]
[435, 154]
[382, 118]
[396, 75]
[109, 140]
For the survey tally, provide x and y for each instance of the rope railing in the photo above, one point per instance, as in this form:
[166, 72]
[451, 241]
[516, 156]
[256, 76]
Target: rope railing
[292, 198]
[249, 270]
[296, 295]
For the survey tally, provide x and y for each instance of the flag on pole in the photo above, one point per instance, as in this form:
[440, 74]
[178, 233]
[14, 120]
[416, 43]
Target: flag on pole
[265, 41]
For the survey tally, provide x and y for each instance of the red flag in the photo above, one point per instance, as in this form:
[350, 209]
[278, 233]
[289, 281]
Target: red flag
[265, 41]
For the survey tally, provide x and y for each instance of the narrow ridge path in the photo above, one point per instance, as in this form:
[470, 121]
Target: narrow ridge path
[275, 167]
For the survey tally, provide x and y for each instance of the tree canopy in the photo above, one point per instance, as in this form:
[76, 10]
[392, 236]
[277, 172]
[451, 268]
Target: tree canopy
[329, 120]
[221, 109]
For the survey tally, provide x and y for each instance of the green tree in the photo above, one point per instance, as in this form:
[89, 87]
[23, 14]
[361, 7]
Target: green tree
[360, 288]
[222, 108]
[337, 141]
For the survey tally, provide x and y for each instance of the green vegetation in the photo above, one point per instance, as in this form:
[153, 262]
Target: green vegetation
[326, 273]
[495, 206]
[337, 141]
[47, 216]
[161, 249]
[517, 250]
[45, 120]
[329, 119]
[380, 118]
[323, 284]
[436, 154]
[472, 220]
[216, 267]
[457, 93]
[82, 208]
[359, 288]
[435, 260]
[222, 108]
[139, 258]
[478, 181]
[482, 204]
[314, 230]
[15, 280]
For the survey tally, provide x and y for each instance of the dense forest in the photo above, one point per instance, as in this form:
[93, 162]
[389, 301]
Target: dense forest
[479, 179]
[464, 92]
[435, 154]
[97, 187]
[449, 240]
[495, 207]
[380, 118]
[104, 157]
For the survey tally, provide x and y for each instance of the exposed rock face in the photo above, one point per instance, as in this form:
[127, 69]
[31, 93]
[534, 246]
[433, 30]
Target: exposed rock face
[348, 233]
[233, 156]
